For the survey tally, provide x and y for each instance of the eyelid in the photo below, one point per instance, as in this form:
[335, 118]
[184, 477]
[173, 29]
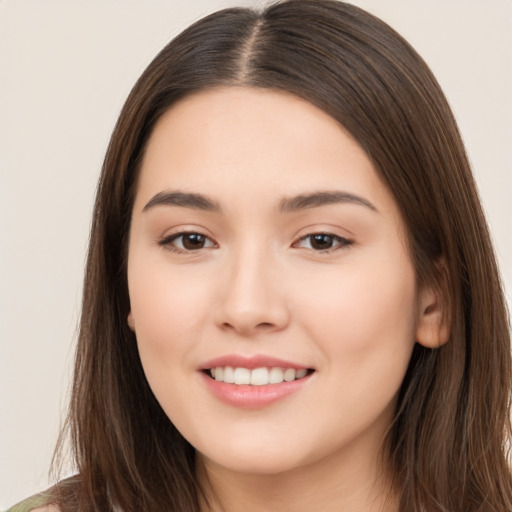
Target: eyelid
[342, 242]
[167, 241]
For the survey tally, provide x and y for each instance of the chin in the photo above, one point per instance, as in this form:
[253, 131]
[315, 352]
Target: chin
[263, 464]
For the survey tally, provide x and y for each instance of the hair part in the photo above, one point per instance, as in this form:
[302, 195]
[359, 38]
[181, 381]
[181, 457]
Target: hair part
[447, 445]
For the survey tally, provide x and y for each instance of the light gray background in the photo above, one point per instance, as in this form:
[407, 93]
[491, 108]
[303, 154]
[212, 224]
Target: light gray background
[65, 69]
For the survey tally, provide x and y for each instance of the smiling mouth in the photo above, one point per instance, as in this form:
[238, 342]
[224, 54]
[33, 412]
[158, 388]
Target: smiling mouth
[256, 377]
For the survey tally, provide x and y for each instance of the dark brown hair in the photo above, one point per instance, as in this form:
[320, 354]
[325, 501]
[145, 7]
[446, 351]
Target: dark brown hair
[447, 446]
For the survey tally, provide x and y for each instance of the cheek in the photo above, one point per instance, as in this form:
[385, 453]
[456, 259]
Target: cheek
[168, 308]
[364, 326]
[365, 316]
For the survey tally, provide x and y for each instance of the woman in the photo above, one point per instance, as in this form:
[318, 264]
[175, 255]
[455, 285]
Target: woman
[291, 299]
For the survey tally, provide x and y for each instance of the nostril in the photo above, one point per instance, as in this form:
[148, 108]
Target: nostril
[265, 325]
[248, 327]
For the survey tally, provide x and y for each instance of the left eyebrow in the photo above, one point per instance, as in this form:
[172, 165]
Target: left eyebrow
[323, 198]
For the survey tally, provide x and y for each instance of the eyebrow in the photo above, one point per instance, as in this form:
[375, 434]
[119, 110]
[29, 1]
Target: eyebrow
[183, 199]
[324, 198]
[287, 205]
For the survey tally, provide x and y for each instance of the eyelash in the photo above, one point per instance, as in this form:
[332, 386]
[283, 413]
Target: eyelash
[337, 242]
[335, 239]
[168, 242]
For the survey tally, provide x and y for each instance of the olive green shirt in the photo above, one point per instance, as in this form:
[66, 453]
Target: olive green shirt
[39, 500]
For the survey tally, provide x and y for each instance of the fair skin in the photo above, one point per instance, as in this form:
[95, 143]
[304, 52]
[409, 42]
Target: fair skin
[263, 238]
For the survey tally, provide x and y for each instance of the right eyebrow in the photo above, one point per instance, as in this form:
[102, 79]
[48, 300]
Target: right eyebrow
[183, 199]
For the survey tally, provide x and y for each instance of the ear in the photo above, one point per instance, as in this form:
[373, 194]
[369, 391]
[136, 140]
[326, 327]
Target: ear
[434, 326]
[131, 321]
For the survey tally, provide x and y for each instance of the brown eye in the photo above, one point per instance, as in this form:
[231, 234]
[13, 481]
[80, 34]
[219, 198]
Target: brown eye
[192, 241]
[323, 242]
[184, 242]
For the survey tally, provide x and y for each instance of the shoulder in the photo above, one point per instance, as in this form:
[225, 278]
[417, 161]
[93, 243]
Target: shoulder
[64, 492]
[41, 502]
[37, 503]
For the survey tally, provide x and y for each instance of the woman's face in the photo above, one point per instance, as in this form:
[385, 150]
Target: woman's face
[265, 251]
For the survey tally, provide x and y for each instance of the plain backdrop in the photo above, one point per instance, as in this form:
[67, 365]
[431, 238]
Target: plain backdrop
[66, 67]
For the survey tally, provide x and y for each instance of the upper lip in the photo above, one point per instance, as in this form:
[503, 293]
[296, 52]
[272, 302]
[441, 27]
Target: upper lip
[256, 361]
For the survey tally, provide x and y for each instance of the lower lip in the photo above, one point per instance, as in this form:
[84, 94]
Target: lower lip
[253, 397]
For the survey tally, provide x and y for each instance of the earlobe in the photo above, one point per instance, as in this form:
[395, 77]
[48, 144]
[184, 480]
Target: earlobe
[433, 328]
[130, 321]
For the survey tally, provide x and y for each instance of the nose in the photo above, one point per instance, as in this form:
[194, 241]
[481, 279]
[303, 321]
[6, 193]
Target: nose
[252, 295]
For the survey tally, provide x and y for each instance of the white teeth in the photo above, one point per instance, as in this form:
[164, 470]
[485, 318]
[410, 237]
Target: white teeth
[257, 376]
[229, 375]
[242, 376]
[289, 374]
[299, 373]
[275, 376]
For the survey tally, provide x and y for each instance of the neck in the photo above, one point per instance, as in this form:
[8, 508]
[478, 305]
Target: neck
[356, 485]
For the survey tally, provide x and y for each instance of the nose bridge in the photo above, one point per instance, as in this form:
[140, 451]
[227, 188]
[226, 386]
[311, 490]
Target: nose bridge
[253, 299]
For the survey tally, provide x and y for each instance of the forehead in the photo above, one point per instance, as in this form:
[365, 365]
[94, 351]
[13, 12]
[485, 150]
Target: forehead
[243, 139]
[246, 118]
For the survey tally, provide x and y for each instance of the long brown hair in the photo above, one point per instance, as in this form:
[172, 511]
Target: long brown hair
[447, 445]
